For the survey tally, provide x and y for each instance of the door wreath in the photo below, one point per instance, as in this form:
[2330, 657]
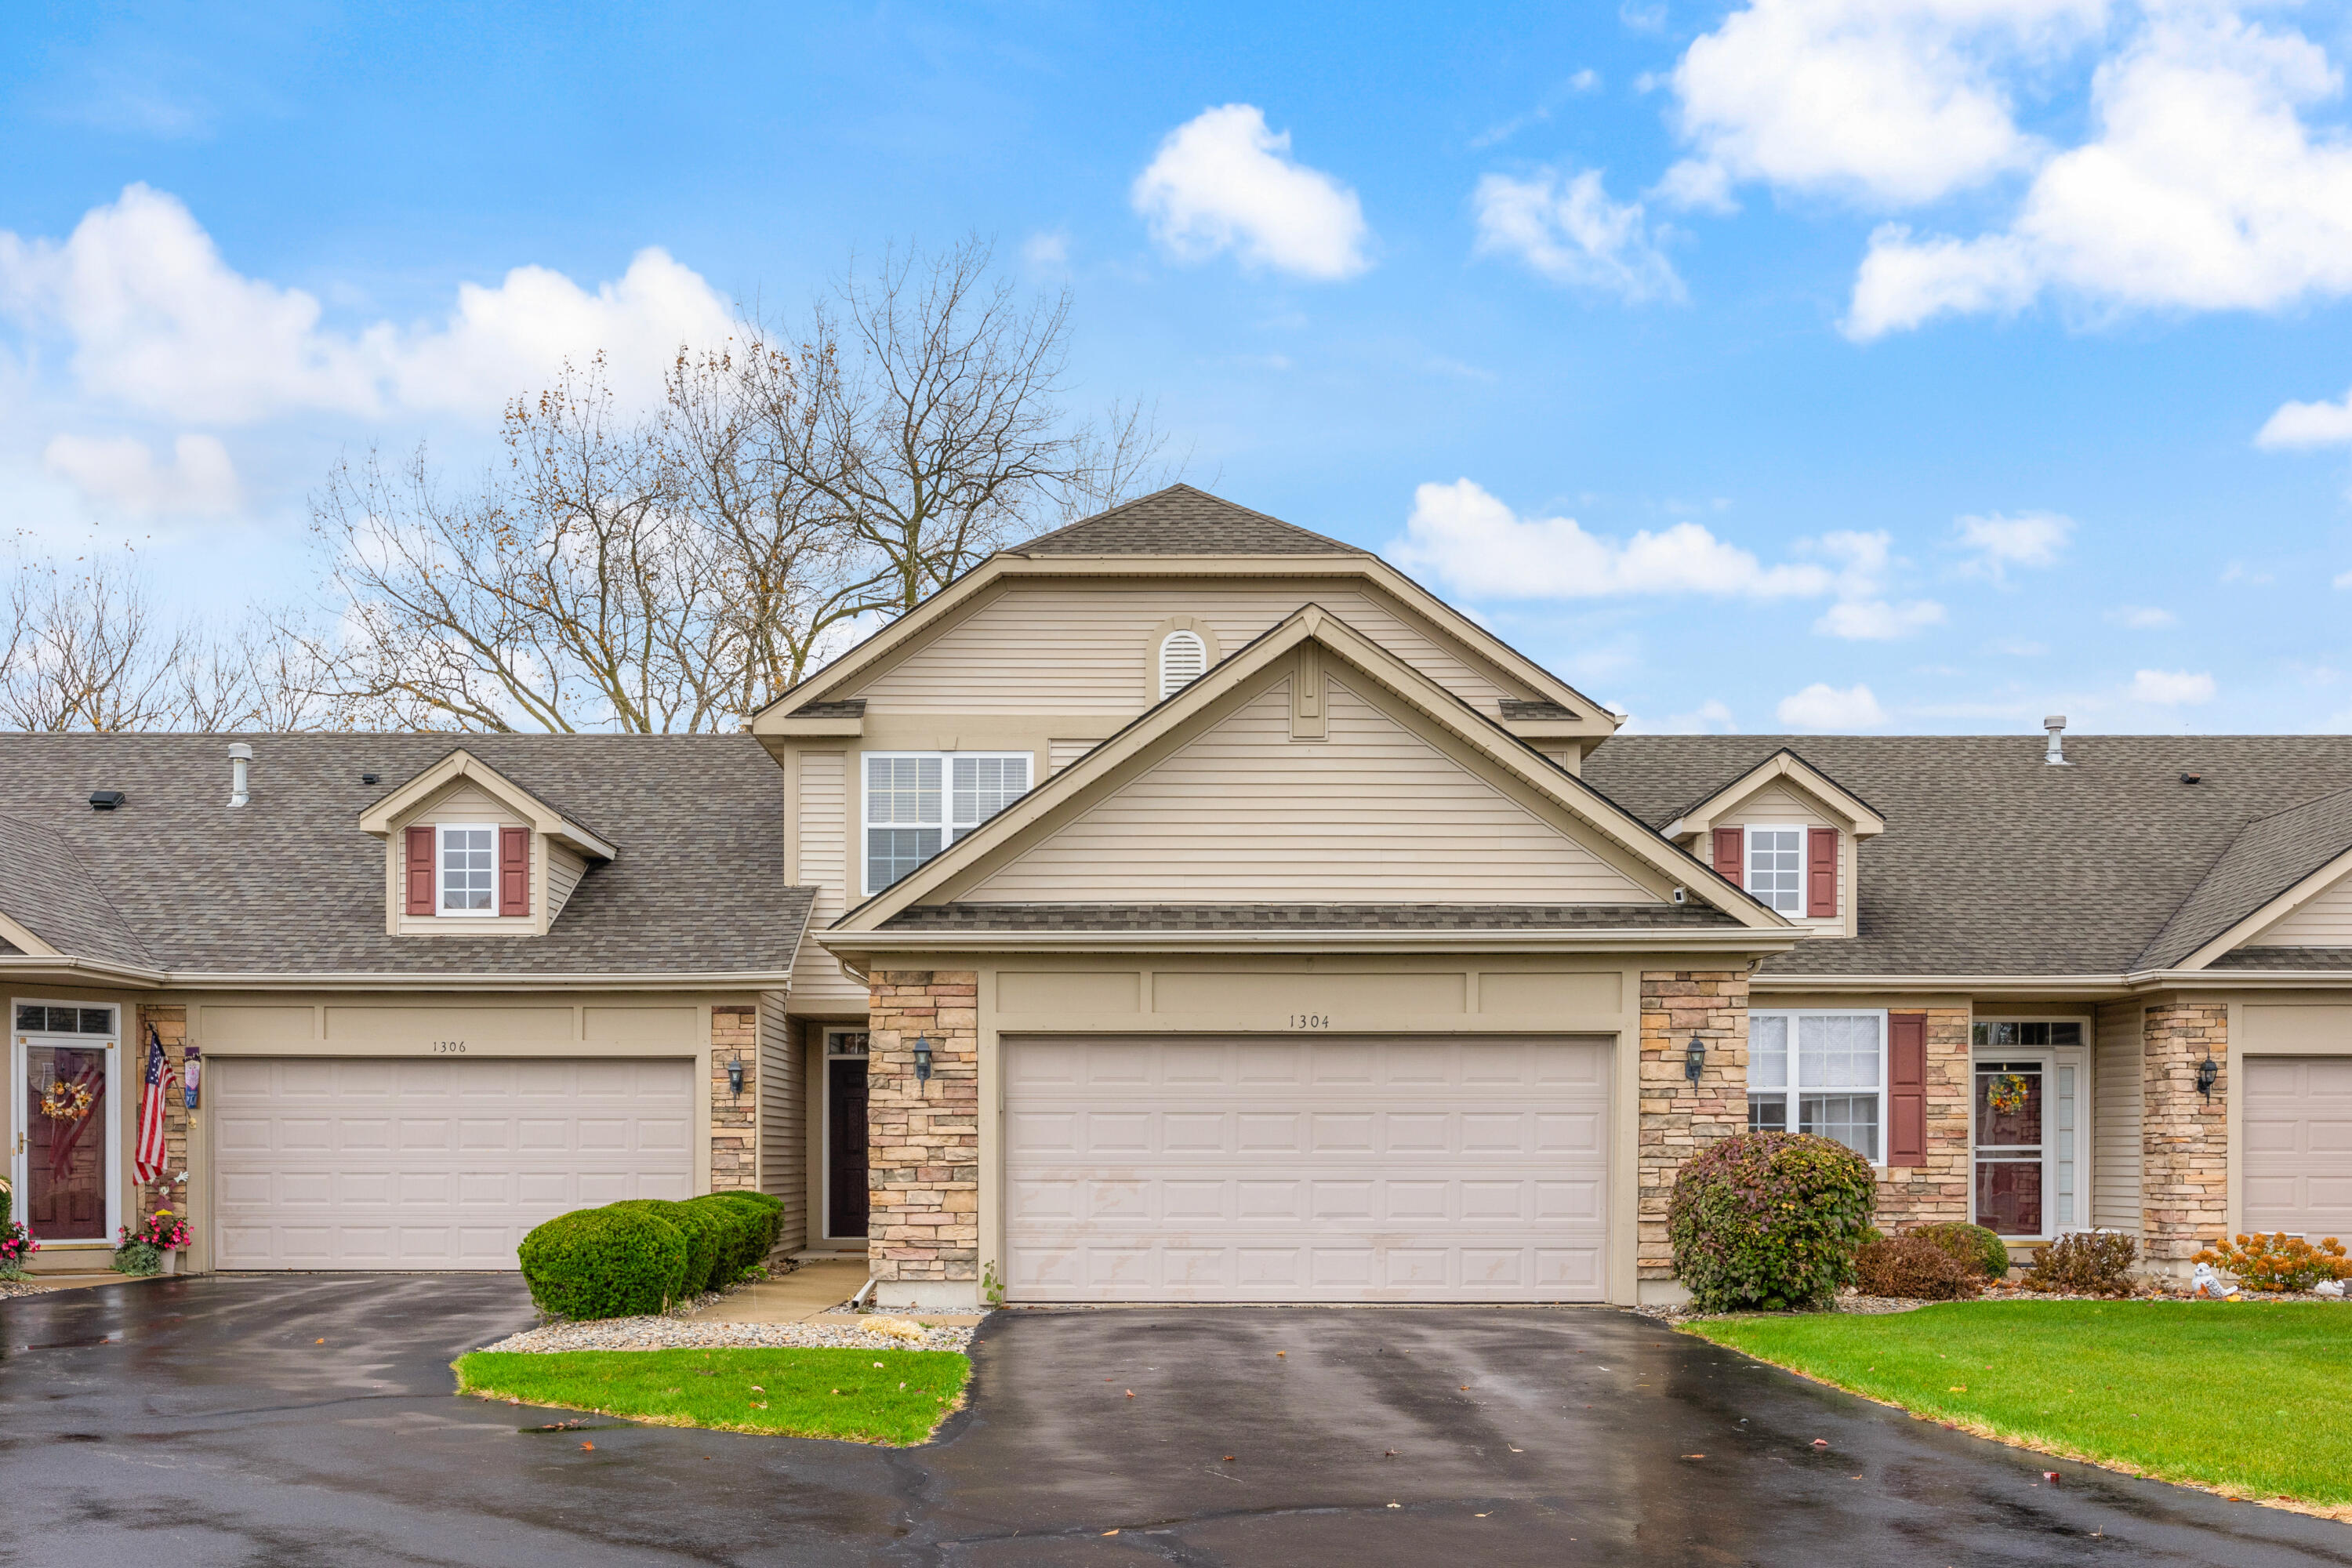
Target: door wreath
[2007, 1093]
[67, 1102]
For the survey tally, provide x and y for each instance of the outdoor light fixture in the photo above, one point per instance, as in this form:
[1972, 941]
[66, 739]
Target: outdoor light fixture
[2207, 1072]
[735, 1077]
[192, 1070]
[922, 1058]
[1694, 1059]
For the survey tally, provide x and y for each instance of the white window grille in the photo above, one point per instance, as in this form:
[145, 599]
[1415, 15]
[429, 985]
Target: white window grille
[918, 803]
[469, 869]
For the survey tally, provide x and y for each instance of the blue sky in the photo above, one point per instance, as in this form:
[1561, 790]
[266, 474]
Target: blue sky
[1879, 365]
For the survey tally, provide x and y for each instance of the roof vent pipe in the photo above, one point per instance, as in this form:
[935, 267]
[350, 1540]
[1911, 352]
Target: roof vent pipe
[2056, 755]
[241, 772]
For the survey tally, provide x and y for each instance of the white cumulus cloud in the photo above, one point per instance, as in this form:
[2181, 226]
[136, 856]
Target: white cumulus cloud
[2301, 425]
[122, 473]
[1566, 227]
[1878, 620]
[1821, 705]
[2170, 688]
[2200, 187]
[153, 319]
[1997, 543]
[1887, 101]
[1464, 536]
[1224, 181]
[1711, 716]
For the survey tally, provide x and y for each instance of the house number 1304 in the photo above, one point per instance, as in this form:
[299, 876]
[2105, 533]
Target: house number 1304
[1310, 1020]
[446, 1046]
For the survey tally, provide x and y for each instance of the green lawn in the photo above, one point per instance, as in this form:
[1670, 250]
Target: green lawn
[2245, 1397]
[867, 1397]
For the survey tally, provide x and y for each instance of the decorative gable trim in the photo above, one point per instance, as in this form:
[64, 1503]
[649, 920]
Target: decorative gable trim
[1836, 799]
[381, 818]
[1063, 795]
[2244, 932]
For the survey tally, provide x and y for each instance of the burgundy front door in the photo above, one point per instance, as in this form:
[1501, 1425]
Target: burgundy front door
[65, 1143]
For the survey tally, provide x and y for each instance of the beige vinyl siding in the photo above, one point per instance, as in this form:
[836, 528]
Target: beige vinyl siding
[2116, 1055]
[2323, 921]
[564, 869]
[1062, 753]
[1245, 813]
[462, 803]
[1084, 648]
[1777, 806]
[783, 1121]
[824, 837]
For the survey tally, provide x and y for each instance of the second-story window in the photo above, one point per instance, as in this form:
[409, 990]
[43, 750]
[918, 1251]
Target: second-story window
[468, 869]
[918, 803]
[1776, 868]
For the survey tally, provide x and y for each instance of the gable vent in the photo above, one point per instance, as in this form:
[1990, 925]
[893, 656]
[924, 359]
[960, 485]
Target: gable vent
[1182, 658]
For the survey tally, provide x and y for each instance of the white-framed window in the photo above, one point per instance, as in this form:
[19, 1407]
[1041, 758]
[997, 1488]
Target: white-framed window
[466, 868]
[1183, 657]
[1820, 1072]
[1774, 859]
[918, 803]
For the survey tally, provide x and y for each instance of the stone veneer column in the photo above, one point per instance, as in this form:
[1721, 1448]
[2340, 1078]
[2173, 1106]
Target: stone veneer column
[1679, 1118]
[923, 1227]
[171, 1026]
[2184, 1137]
[734, 1123]
[1938, 1190]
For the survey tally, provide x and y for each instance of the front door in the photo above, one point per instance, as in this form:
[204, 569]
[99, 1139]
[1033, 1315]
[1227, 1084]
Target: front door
[2026, 1111]
[845, 1135]
[66, 1093]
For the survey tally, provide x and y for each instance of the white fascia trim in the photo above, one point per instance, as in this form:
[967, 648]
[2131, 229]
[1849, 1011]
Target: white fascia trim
[2078, 986]
[360, 980]
[1740, 940]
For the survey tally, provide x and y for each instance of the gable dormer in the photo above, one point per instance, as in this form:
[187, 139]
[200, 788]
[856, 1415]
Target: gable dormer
[469, 852]
[1789, 834]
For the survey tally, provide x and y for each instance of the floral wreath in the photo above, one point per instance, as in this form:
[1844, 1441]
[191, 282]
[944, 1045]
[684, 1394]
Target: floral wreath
[67, 1102]
[2007, 1093]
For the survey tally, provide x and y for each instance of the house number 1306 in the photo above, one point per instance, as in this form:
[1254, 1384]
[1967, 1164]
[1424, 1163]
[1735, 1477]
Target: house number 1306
[1310, 1020]
[446, 1046]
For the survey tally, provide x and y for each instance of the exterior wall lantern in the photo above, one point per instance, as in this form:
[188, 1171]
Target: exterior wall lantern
[2207, 1072]
[1694, 1059]
[922, 1058]
[735, 1077]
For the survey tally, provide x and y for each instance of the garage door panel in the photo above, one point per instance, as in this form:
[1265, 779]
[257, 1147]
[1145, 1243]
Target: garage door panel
[2298, 1144]
[430, 1164]
[1297, 1174]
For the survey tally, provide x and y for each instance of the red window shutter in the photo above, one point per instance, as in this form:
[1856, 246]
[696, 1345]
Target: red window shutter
[1729, 843]
[1906, 1089]
[514, 870]
[420, 870]
[1820, 870]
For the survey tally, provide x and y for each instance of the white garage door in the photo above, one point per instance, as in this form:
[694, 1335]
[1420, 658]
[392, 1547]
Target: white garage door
[1286, 1170]
[2299, 1145]
[441, 1163]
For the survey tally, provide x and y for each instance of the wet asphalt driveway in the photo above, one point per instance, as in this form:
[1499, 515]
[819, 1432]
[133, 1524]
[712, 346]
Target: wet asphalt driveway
[203, 1422]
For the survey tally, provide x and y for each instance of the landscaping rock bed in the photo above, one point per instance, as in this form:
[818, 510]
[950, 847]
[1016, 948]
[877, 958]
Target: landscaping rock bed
[675, 1333]
[17, 1287]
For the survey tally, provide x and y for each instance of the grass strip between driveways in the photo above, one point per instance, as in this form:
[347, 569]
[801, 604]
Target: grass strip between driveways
[2244, 1397]
[865, 1397]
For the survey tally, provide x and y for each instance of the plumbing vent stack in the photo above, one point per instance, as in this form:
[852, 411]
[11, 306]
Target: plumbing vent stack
[241, 772]
[2056, 755]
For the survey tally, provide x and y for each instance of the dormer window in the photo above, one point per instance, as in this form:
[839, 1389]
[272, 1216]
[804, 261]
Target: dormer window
[1183, 657]
[469, 861]
[1776, 872]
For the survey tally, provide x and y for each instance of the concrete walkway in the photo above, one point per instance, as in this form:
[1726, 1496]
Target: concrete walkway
[814, 1290]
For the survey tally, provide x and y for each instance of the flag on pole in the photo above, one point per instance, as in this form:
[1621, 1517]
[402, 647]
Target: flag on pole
[149, 1163]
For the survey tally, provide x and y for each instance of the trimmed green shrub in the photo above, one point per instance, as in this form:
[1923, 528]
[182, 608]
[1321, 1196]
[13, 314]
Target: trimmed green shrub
[1770, 1220]
[746, 1230]
[704, 1239]
[616, 1262]
[1974, 1247]
[1914, 1269]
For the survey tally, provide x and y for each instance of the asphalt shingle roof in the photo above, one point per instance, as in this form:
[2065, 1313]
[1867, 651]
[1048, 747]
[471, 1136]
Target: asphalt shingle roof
[289, 883]
[1996, 863]
[1305, 917]
[1181, 520]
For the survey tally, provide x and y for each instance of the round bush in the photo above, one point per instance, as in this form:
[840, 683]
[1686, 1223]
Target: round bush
[704, 1241]
[604, 1263]
[1770, 1220]
[1972, 1247]
[1913, 1269]
[745, 1232]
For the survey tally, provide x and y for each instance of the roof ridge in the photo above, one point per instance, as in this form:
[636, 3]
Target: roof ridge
[1181, 487]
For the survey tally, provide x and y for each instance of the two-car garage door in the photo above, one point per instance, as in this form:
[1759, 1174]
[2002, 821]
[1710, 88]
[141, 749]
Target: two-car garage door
[440, 1162]
[1287, 1169]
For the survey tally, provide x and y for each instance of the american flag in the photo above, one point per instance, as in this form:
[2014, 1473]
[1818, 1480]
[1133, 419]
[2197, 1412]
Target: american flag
[149, 1163]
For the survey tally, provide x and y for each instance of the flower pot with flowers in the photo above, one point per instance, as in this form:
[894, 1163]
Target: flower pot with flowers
[154, 1247]
[16, 1242]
